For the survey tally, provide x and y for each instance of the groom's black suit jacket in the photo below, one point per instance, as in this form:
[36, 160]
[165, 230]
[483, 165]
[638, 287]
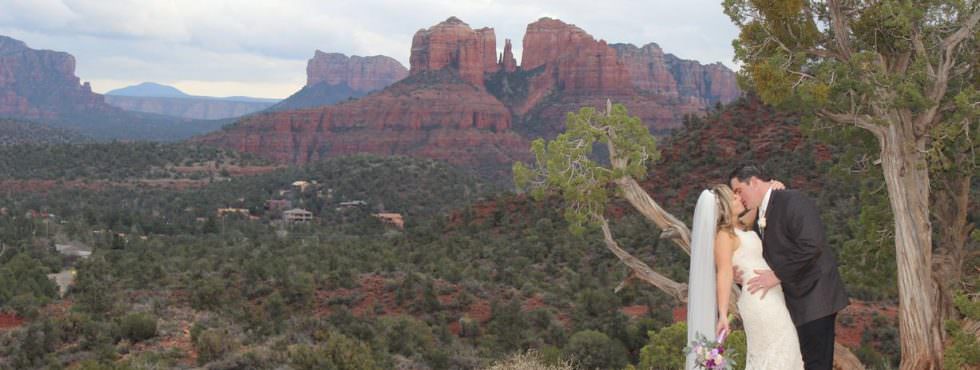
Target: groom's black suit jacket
[796, 249]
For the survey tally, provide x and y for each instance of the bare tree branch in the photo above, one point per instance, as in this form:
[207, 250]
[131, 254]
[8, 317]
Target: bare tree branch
[861, 120]
[640, 269]
[946, 62]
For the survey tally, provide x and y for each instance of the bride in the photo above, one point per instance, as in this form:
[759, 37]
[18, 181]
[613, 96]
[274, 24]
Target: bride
[719, 241]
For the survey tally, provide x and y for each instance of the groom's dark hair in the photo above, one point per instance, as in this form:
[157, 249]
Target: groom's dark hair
[744, 172]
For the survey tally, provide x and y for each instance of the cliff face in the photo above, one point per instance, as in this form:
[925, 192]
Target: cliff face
[361, 74]
[432, 114]
[564, 68]
[453, 44]
[571, 62]
[712, 82]
[335, 77]
[41, 84]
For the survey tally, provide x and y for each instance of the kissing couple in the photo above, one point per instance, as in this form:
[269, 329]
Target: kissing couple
[771, 242]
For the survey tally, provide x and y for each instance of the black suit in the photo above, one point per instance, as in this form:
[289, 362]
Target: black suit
[796, 249]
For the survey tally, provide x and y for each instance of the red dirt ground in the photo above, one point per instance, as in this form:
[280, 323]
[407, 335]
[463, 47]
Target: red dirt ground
[9, 321]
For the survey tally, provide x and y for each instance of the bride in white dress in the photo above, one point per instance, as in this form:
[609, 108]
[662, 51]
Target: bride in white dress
[719, 241]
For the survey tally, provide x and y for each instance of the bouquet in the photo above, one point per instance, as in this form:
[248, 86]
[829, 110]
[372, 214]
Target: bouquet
[711, 355]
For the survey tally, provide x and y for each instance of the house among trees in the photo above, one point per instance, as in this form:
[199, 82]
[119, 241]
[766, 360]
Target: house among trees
[74, 250]
[393, 219]
[301, 185]
[222, 212]
[351, 204]
[278, 204]
[63, 280]
[297, 215]
[38, 214]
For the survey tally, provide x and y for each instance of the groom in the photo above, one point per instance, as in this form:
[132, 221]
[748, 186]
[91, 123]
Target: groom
[796, 249]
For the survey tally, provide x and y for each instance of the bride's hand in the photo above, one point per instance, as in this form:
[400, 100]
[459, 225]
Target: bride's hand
[723, 325]
[778, 185]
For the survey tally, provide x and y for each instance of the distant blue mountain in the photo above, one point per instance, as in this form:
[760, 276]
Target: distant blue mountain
[149, 89]
[155, 90]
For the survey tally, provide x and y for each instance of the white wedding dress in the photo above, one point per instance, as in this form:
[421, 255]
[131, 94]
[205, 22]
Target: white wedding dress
[772, 340]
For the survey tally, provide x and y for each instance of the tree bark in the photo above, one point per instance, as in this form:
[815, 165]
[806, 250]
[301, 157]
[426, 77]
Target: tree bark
[950, 206]
[907, 179]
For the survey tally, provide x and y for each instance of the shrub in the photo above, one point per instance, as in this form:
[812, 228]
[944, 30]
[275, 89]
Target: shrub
[338, 352]
[213, 344]
[138, 327]
[595, 350]
[963, 351]
[529, 360]
[663, 351]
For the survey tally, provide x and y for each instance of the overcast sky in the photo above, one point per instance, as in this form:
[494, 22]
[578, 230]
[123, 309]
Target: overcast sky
[260, 48]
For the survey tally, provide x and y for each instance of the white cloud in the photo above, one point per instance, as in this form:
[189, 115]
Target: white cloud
[262, 46]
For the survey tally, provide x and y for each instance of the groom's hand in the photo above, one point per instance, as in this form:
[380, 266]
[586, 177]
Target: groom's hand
[763, 281]
[737, 275]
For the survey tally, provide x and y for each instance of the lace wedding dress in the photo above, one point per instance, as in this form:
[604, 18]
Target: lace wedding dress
[769, 330]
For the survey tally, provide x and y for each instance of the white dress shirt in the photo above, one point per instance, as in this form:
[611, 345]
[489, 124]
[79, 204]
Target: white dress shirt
[762, 210]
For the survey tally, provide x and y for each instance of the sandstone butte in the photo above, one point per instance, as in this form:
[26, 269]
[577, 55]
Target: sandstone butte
[465, 104]
[41, 84]
[361, 74]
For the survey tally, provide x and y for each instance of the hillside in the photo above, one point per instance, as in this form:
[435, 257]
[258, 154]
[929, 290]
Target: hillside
[117, 161]
[473, 276]
[13, 132]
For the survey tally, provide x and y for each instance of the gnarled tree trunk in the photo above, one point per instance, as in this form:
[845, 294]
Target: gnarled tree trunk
[907, 179]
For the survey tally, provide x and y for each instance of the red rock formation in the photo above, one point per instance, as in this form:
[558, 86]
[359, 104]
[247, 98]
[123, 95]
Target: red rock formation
[41, 84]
[445, 110]
[362, 74]
[647, 68]
[713, 82]
[507, 62]
[573, 62]
[455, 45]
[432, 114]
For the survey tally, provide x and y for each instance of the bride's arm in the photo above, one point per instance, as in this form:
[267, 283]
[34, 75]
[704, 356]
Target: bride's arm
[725, 244]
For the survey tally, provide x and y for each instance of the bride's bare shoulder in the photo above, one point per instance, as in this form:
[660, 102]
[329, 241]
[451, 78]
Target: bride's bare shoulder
[726, 239]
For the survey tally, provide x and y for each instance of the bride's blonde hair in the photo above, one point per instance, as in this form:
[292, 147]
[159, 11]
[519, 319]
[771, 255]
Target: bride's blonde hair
[727, 221]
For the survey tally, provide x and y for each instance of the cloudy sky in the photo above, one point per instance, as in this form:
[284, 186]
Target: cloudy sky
[260, 48]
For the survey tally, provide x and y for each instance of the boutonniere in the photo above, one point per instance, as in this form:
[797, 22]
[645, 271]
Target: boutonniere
[762, 223]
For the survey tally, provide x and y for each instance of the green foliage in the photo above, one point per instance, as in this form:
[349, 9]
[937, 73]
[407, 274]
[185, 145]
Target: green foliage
[507, 326]
[113, 161]
[594, 350]
[24, 284]
[531, 360]
[565, 165]
[336, 352]
[95, 289]
[737, 342]
[882, 338]
[35, 343]
[138, 327]
[967, 306]
[213, 344]
[664, 351]
[18, 132]
[964, 348]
